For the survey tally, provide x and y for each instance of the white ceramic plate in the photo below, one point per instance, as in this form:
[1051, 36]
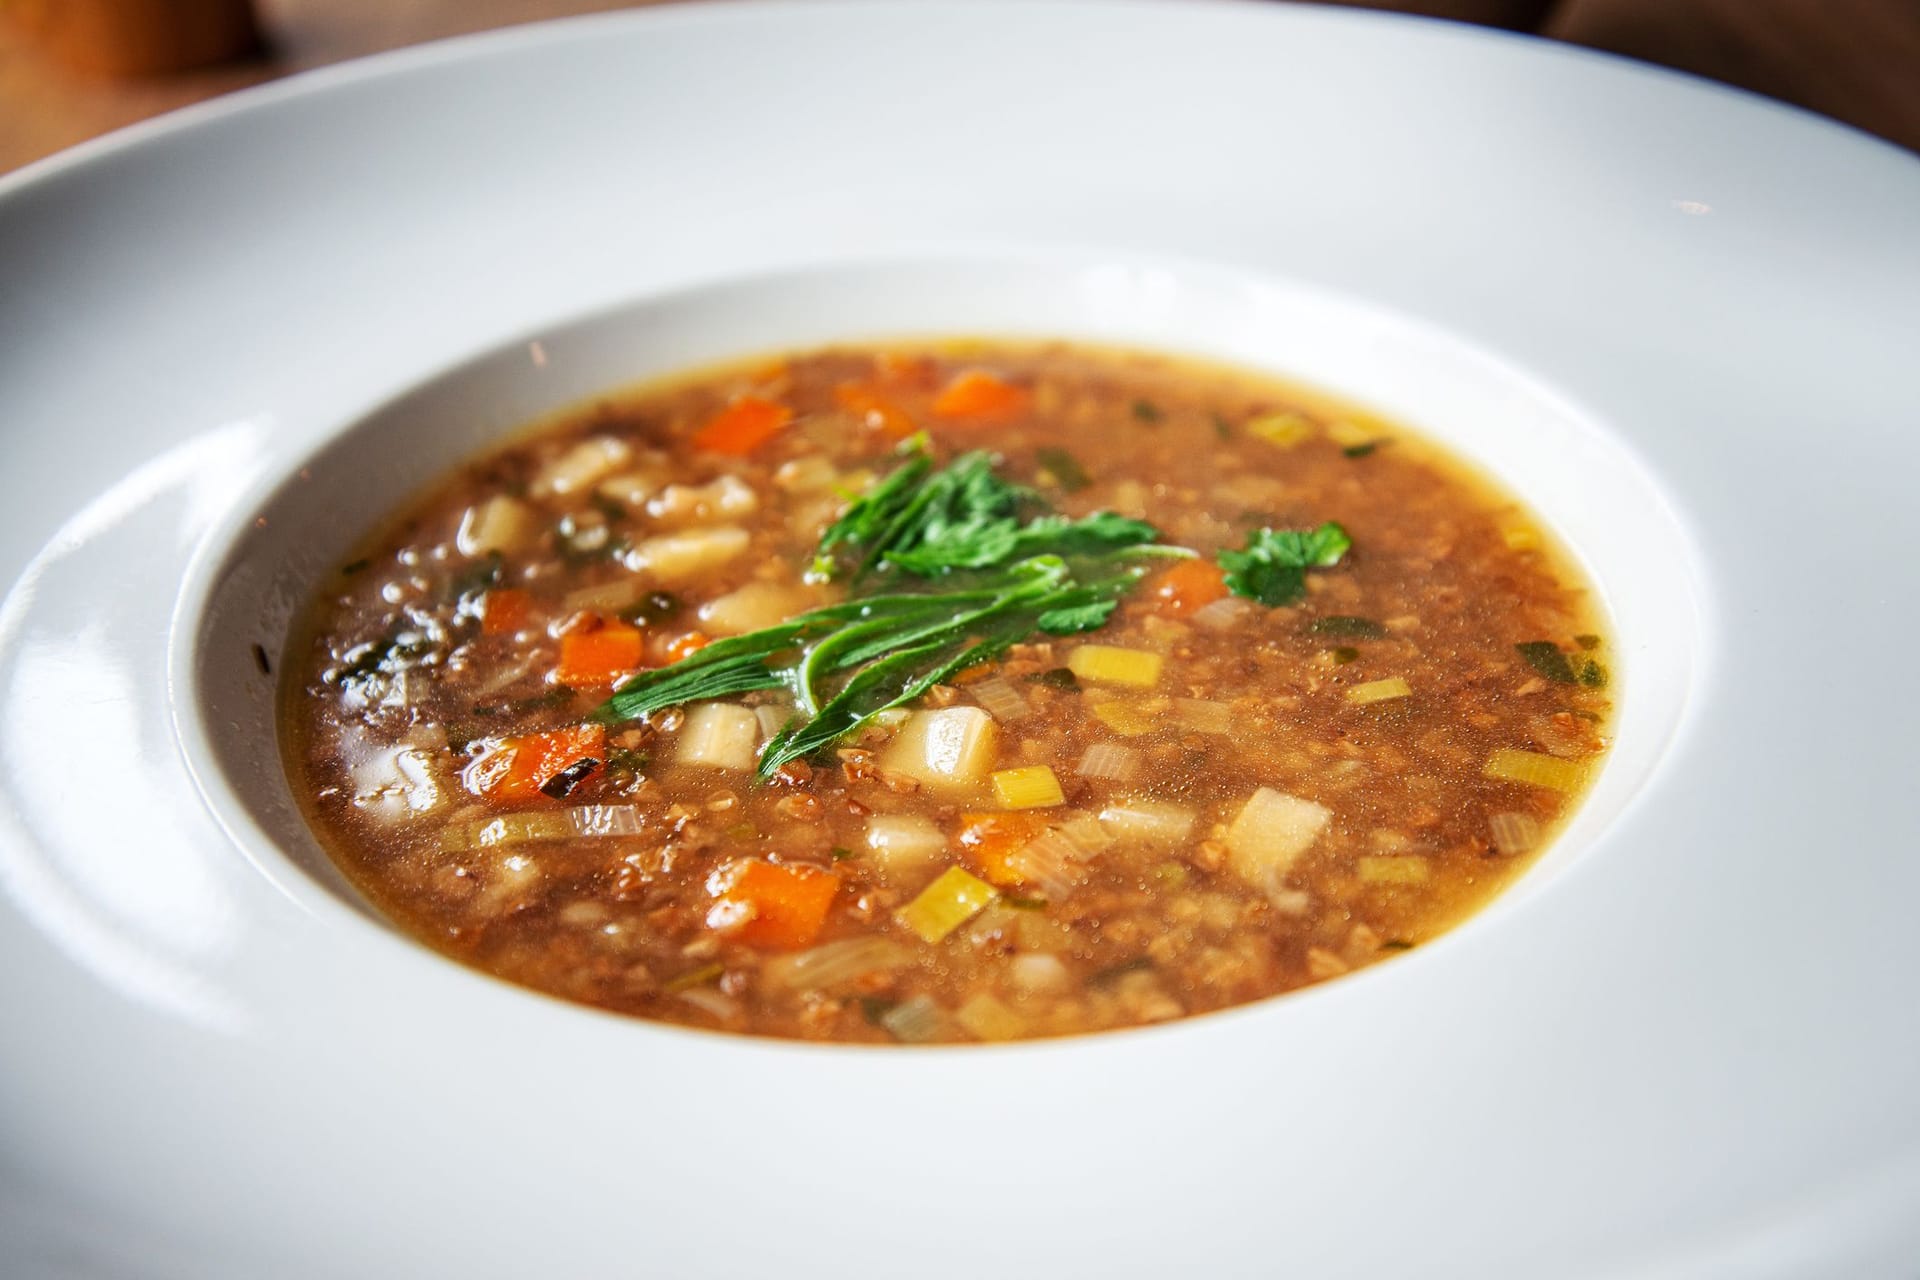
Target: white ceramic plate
[1680, 317]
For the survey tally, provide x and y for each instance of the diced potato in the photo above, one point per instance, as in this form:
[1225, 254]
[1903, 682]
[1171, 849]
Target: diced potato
[806, 475]
[1153, 823]
[609, 598]
[904, 839]
[1406, 870]
[1535, 769]
[754, 607]
[682, 557]
[724, 498]
[943, 906]
[1379, 691]
[722, 734]
[629, 488]
[987, 1018]
[582, 467]
[1037, 972]
[950, 749]
[1110, 664]
[1271, 830]
[1030, 787]
[1513, 833]
[500, 524]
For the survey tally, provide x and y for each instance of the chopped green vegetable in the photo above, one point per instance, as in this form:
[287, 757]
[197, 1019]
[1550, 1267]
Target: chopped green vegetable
[1056, 678]
[1340, 624]
[1545, 657]
[875, 1008]
[841, 853]
[1065, 469]
[1344, 654]
[352, 567]
[1396, 944]
[1147, 411]
[1272, 568]
[1361, 450]
[1590, 673]
[1587, 641]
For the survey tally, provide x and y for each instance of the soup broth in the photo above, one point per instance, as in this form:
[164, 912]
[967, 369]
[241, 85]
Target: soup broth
[947, 692]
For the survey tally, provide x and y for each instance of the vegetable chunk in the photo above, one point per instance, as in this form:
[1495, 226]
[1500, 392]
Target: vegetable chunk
[1270, 832]
[950, 750]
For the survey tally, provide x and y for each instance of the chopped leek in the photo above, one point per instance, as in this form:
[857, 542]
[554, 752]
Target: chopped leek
[1513, 833]
[1110, 664]
[1392, 687]
[1535, 769]
[1111, 761]
[1028, 787]
[987, 1018]
[943, 906]
[915, 1021]
[1203, 716]
[1282, 428]
[904, 839]
[1393, 870]
[1153, 823]
[833, 963]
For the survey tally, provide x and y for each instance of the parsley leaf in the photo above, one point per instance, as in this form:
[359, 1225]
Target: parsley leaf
[1272, 568]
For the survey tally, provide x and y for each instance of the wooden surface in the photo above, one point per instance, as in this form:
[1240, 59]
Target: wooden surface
[1856, 60]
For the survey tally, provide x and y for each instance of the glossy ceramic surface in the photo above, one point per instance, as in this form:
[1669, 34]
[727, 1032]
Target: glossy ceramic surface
[1683, 316]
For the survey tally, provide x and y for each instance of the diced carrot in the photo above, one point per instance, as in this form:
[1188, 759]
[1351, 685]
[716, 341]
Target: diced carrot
[589, 659]
[874, 410]
[516, 769]
[899, 369]
[1189, 585]
[769, 904]
[991, 838]
[982, 397]
[685, 646]
[504, 610]
[743, 426]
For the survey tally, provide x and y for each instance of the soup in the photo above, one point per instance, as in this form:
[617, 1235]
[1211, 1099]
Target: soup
[946, 692]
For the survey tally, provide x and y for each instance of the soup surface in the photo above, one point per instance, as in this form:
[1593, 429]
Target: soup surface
[959, 691]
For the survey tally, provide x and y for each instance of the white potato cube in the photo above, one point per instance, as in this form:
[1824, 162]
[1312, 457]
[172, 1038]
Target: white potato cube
[899, 840]
[722, 734]
[724, 498]
[1272, 830]
[682, 557]
[949, 749]
[582, 467]
[500, 524]
[754, 607]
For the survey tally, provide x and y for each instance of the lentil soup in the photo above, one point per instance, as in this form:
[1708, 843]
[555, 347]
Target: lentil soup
[958, 691]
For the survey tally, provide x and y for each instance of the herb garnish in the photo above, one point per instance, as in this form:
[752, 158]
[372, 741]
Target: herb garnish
[1064, 469]
[1341, 624]
[1273, 568]
[1005, 578]
[1551, 661]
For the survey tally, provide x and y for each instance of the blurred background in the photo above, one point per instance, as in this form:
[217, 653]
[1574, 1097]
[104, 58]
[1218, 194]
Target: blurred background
[73, 69]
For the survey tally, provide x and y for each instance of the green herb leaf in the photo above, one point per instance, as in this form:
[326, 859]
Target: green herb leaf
[1361, 450]
[1147, 411]
[1272, 568]
[1057, 678]
[1545, 657]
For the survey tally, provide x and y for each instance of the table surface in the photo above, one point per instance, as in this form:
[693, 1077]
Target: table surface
[1856, 60]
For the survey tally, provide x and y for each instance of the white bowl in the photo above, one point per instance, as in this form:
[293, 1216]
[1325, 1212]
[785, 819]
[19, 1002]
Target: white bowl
[1678, 319]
